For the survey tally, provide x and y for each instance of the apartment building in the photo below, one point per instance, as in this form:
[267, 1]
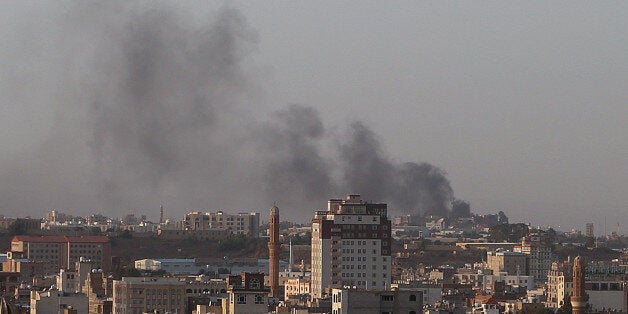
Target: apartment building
[240, 223]
[247, 294]
[346, 301]
[351, 244]
[58, 252]
[511, 263]
[133, 295]
[559, 284]
[541, 257]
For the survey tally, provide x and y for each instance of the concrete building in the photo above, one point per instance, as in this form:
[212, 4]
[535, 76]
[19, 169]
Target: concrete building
[174, 266]
[432, 293]
[62, 251]
[240, 223]
[202, 235]
[436, 225]
[28, 269]
[559, 284]
[247, 294]
[54, 302]
[139, 295]
[5, 223]
[99, 291]
[607, 295]
[511, 282]
[512, 263]
[9, 282]
[346, 301]
[297, 287]
[541, 256]
[588, 231]
[351, 244]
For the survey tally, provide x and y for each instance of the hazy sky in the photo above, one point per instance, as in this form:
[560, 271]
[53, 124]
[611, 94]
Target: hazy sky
[523, 104]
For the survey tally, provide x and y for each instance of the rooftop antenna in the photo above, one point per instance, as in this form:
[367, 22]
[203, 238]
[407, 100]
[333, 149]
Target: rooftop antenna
[161, 213]
[291, 260]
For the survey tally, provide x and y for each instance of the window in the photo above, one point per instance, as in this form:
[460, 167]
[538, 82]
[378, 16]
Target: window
[241, 298]
[254, 283]
[259, 299]
[387, 298]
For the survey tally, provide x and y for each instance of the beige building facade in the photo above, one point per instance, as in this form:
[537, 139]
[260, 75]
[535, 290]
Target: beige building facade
[351, 246]
[136, 295]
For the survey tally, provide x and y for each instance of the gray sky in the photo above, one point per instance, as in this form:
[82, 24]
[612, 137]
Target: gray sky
[522, 104]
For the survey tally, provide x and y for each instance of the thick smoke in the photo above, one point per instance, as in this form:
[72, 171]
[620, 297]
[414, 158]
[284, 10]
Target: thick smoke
[134, 105]
[294, 168]
[409, 186]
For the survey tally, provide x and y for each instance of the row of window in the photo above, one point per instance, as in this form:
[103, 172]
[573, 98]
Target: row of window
[241, 299]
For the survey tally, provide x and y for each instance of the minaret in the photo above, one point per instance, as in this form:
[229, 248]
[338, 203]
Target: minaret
[161, 214]
[291, 260]
[273, 252]
[578, 297]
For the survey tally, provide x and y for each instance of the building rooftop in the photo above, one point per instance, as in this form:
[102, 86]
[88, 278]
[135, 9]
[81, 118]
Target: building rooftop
[60, 239]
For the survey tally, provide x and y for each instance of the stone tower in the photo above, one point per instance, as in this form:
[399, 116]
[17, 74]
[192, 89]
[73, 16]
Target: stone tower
[578, 297]
[274, 248]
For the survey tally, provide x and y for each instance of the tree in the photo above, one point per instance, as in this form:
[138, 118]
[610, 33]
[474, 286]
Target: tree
[502, 218]
[508, 232]
[566, 308]
[18, 227]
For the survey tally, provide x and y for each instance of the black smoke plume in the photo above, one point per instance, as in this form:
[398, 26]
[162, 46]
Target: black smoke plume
[119, 106]
[409, 187]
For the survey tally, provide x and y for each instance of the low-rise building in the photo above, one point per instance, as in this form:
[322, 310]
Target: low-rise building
[247, 294]
[512, 263]
[240, 223]
[559, 284]
[297, 287]
[62, 251]
[175, 266]
[346, 301]
[139, 295]
[54, 302]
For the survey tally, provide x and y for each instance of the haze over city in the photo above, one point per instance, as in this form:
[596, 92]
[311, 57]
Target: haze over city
[117, 107]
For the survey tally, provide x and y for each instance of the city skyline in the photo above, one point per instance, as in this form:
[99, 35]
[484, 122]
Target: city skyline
[522, 106]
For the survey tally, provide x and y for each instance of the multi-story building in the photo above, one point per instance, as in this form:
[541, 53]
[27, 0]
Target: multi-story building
[28, 269]
[296, 287]
[588, 232]
[62, 251]
[351, 246]
[9, 282]
[173, 266]
[5, 223]
[540, 260]
[247, 294]
[240, 223]
[55, 301]
[559, 284]
[346, 301]
[512, 263]
[140, 295]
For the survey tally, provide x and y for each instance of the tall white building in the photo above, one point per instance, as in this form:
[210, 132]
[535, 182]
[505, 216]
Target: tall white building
[351, 246]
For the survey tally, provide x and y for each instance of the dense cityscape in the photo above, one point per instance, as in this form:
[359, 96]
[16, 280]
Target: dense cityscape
[331, 157]
[352, 257]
